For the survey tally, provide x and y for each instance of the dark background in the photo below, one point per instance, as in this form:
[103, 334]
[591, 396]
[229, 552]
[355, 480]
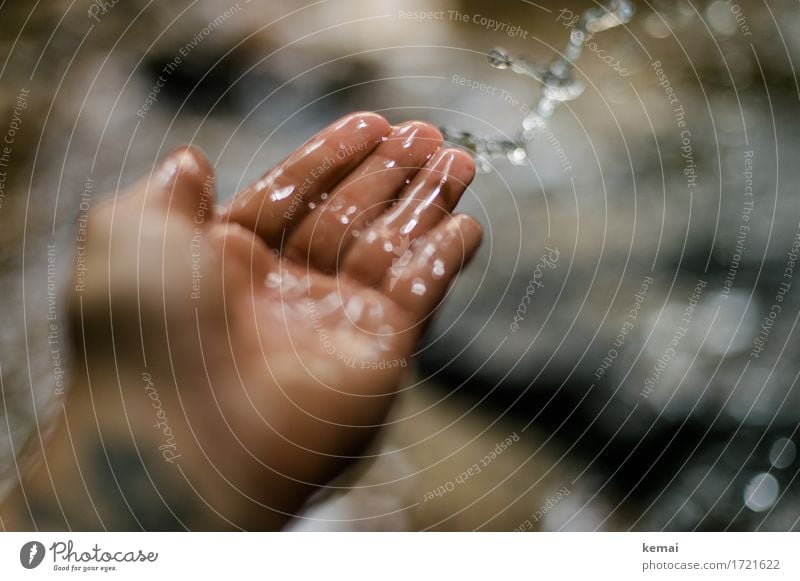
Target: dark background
[709, 448]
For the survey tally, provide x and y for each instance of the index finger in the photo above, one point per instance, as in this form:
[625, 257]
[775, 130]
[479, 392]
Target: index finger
[280, 199]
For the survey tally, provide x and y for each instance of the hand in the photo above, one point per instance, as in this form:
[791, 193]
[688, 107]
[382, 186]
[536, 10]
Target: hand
[232, 360]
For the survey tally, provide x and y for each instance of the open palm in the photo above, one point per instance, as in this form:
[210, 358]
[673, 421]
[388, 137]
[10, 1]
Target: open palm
[278, 327]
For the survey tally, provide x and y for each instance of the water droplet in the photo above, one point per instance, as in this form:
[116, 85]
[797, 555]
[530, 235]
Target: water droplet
[482, 164]
[499, 58]
[323, 196]
[517, 156]
[356, 233]
[354, 308]
[655, 26]
[430, 248]
[406, 230]
[438, 269]
[281, 193]
[344, 219]
[418, 287]
[409, 141]
[782, 453]
[313, 147]
[311, 205]
[623, 10]
[761, 492]
[559, 68]
[720, 17]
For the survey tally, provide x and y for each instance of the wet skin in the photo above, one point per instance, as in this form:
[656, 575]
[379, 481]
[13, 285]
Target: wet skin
[233, 359]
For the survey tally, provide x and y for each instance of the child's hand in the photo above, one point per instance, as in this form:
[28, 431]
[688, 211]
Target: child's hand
[234, 359]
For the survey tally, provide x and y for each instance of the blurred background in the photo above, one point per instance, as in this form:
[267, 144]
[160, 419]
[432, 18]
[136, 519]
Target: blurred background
[623, 353]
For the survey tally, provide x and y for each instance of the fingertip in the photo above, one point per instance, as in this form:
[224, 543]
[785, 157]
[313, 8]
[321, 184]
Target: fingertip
[363, 121]
[187, 162]
[419, 132]
[471, 230]
[186, 181]
[452, 165]
[458, 238]
[463, 165]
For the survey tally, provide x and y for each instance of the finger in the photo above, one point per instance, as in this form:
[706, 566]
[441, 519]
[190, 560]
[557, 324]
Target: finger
[432, 194]
[172, 204]
[363, 195]
[419, 280]
[282, 197]
[182, 185]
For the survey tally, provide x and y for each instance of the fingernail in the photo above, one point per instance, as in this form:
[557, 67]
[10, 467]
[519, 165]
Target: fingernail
[180, 161]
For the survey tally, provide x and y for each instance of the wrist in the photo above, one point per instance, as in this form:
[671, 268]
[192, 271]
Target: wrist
[98, 467]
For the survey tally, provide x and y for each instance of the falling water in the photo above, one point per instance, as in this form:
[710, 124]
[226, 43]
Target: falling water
[558, 80]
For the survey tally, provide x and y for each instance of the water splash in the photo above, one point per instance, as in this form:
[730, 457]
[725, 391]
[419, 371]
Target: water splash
[559, 84]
